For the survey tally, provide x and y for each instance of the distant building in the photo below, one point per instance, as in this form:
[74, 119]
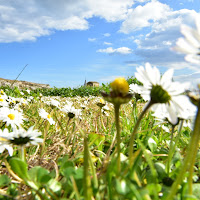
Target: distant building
[93, 84]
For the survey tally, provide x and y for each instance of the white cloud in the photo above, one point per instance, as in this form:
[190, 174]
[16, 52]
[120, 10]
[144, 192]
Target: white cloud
[92, 39]
[156, 15]
[120, 50]
[162, 27]
[27, 20]
[106, 34]
[144, 16]
[107, 43]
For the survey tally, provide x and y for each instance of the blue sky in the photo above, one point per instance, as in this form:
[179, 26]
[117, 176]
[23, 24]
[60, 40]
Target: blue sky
[65, 42]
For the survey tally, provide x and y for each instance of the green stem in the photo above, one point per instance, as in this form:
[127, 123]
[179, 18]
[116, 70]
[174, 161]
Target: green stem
[117, 106]
[135, 131]
[87, 181]
[101, 118]
[22, 153]
[189, 159]
[171, 151]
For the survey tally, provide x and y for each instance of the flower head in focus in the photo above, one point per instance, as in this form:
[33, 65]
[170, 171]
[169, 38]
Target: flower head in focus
[190, 45]
[120, 85]
[161, 90]
[119, 93]
[45, 115]
[11, 117]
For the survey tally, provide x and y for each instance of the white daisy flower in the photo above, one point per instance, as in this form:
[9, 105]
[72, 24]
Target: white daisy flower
[3, 101]
[11, 117]
[135, 89]
[71, 111]
[45, 115]
[21, 137]
[54, 102]
[3, 145]
[190, 45]
[162, 91]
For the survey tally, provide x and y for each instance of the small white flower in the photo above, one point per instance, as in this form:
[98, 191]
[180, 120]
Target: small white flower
[28, 91]
[71, 111]
[54, 102]
[190, 45]
[3, 101]
[11, 117]
[45, 115]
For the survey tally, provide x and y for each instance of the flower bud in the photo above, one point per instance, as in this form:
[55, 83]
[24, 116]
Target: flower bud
[120, 85]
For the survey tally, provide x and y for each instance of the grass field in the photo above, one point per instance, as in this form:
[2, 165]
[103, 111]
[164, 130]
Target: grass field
[81, 151]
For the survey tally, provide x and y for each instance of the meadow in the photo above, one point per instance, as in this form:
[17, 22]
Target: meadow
[85, 147]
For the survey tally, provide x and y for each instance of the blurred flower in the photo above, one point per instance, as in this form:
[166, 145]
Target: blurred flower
[71, 111]
[2, 92]
[45, 115]
[11, 117]
[100, 102]
[163, 91]
[21, 137]
[135, 89]
[3, 146]
[188, 113]
[54, 103]
[190, 45]
[3, 101]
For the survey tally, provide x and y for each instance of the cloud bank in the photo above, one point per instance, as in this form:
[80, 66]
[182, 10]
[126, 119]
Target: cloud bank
[27, 20]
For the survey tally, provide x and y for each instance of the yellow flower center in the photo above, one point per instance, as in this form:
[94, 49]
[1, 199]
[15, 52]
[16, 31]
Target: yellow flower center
[49, 116]
[1, 100]
[120, 85]
[2, 92]
[11, 116]
[102, 101]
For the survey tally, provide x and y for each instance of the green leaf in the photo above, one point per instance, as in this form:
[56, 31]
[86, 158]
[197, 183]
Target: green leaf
[69, 171]
[4, 180]
[79, 173]
[122, 187]
[196, 190]
[152, 144]
[160, 168]
[190, 197]
[19, 167]
[96, 139]
[54, 185]
[39, 175]
[152, 187]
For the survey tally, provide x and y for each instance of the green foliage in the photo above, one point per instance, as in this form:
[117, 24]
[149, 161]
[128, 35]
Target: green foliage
[82, 91]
